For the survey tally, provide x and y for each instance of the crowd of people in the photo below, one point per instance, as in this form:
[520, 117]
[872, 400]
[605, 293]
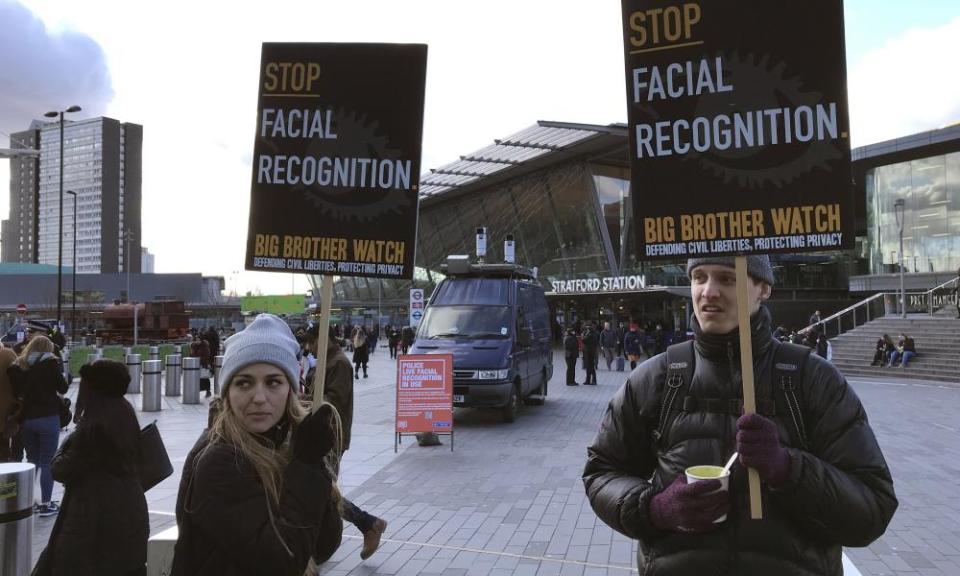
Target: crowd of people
[258, 491]
[616, 345]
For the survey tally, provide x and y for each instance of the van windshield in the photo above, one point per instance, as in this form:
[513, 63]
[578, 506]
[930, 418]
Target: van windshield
[465, 322]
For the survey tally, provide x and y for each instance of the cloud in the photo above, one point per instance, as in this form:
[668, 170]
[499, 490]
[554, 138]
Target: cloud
[44, 71]
[907, 86]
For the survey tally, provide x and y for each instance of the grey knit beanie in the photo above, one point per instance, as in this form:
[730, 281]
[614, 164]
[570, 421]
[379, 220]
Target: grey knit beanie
[758, 267]
[267, 339]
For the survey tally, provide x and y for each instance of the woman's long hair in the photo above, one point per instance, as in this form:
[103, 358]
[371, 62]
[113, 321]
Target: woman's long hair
[269, 461]
[40, 344]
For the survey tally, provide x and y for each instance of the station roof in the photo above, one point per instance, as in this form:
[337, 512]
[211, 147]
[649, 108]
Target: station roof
[543, 143]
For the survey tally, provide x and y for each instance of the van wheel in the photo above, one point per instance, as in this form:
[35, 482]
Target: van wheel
[539, 396]
[509, 412]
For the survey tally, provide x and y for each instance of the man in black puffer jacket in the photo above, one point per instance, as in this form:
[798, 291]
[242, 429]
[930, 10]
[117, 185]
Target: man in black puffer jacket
[834, 491]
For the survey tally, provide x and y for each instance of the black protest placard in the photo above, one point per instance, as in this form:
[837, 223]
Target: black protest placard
[739, 127]
[336, 160]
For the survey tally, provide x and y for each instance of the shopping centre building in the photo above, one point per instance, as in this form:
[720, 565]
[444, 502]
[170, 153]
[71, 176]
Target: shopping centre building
[562, 191]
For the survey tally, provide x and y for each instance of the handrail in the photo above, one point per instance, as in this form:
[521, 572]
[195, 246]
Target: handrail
[842, 312]
[944, 285]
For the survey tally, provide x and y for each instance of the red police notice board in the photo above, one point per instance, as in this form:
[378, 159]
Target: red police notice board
[425, 393]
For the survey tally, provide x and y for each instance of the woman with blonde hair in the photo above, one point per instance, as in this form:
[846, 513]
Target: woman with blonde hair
[257, 496]
[37, 378]
[8, 406]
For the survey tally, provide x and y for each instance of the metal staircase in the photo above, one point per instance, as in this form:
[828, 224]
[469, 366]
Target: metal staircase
[931, 319]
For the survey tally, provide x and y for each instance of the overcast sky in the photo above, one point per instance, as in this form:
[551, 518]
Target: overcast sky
[187, 71]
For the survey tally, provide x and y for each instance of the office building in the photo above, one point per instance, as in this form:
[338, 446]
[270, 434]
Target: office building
[102, 165]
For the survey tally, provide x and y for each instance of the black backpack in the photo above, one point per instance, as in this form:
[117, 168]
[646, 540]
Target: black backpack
[786, 372]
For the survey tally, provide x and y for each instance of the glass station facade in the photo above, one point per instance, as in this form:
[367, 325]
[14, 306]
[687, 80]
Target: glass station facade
[930, 190]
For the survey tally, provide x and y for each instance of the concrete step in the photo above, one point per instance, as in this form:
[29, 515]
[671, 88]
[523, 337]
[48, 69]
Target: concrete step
[910, 372]
[925, 363]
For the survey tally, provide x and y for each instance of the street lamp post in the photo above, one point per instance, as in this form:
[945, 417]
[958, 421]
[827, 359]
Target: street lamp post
[898, 207]
[55, 114]
[73, 299]
[128, 236]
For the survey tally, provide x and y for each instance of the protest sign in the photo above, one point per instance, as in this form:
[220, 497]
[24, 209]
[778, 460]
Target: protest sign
[336, 159]
[738, 126]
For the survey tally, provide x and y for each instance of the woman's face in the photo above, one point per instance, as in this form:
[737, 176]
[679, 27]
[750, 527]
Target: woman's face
[258, 396]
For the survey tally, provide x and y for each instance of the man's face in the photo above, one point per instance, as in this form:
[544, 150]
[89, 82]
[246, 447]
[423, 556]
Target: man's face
[714, 290]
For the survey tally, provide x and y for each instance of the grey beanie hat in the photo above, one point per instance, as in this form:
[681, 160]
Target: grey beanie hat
[267, 339]
[758, 266]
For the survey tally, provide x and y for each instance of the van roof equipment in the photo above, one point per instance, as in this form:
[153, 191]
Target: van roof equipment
[460, 265]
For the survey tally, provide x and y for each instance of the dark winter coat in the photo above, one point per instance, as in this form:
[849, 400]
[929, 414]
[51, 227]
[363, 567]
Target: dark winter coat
[37, 387]
[632, 344]
[608, 338]
[571, 346]
[338, 389]
[225, 525]
[839, 491]
[102, 528]
[361, 354]
[591, 343]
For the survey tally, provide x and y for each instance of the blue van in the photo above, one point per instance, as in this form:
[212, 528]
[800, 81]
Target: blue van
[494, 320]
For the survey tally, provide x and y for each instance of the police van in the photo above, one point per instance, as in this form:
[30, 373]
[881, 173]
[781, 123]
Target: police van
[494, 320]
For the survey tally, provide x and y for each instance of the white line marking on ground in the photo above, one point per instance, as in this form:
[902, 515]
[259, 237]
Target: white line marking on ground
[848, 568]
[507, 554]
[160, 513]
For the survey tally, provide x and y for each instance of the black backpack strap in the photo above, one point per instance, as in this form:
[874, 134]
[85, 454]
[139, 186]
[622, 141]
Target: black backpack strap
[787, 375]
[680, 365]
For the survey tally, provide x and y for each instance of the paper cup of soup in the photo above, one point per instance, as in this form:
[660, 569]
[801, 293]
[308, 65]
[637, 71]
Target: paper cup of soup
[698, 473]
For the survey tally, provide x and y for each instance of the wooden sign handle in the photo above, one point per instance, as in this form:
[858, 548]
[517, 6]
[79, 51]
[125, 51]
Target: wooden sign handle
[320, 373]
[746, 371]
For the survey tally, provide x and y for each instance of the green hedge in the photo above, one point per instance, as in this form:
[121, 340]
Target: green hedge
[79, 354]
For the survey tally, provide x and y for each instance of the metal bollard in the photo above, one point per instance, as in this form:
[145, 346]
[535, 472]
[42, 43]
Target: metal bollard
[94, 356]
[133, 366]
[154, 352]
[98, 341]
[151, 386]
[217, 365]
[127, 350]
[191, 380]
[16, 518]
[173, 375]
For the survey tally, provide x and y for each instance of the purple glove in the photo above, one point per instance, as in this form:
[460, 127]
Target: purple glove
[758, 443]
[686, 507]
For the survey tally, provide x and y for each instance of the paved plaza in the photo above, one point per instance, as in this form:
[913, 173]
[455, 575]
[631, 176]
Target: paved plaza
[508, 499]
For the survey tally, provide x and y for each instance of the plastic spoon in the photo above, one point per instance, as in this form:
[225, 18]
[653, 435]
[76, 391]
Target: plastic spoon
[730, 462]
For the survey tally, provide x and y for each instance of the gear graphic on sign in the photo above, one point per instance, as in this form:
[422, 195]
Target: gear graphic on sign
[776, 90]
[359, 205]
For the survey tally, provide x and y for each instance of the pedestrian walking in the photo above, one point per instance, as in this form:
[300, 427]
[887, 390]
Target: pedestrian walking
[633, 345]
[361, 350]
[591, 348]
[257, 496]
[103, 526]
[824, 485]
[393, 340]
[37, 379]
[338, 391]
[406, 338]
[200, 348]
[571, 351]
[608, 343]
